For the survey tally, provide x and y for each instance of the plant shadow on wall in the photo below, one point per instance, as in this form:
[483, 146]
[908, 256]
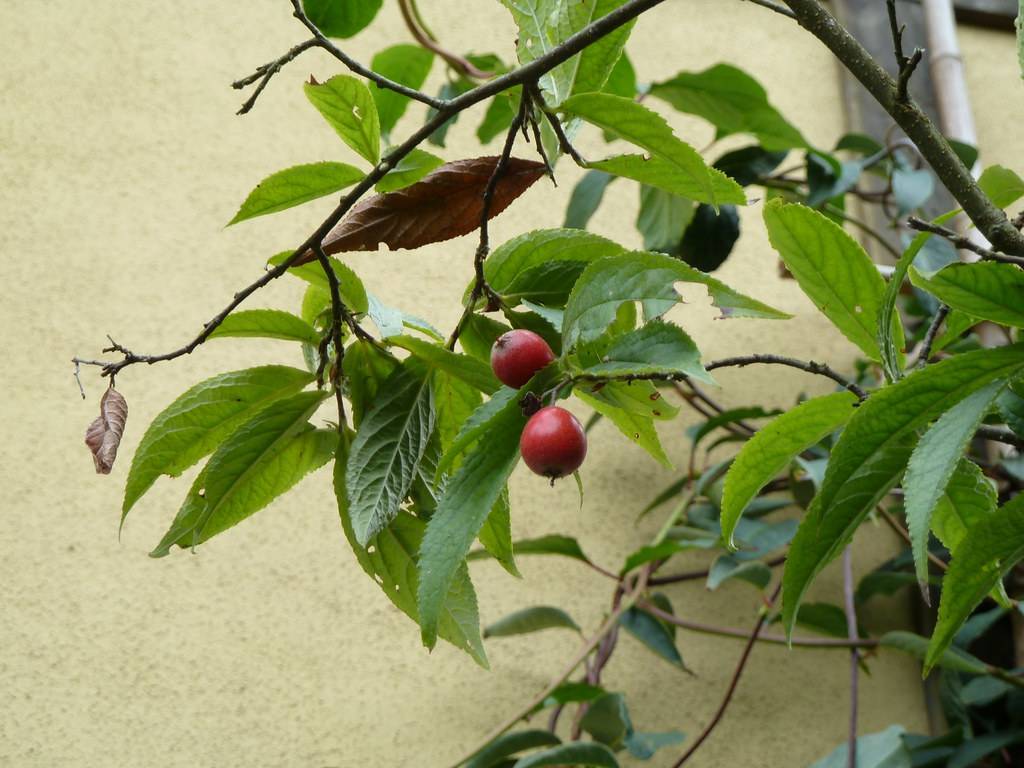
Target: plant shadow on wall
[924, 435]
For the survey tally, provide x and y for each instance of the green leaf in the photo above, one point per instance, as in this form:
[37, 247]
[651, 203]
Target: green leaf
[479, 334]
[261, 460]
[622, 80]
[912, 188]
[832, 269]
[266, 324]
[732, 101]
[884, 749]
[969, 498]
[586, 198]
[662, 219]
[748, 165]
[390, 560]
[1011, 407]
[575, 753]
[468, 498]
[294, 186]
[728, 567]
[496, 534]
[952, 658]
[542, 266]
[987, 290]
[469, 369]
[555, 544]
[636, 427]
[353, 294]
[639, 276]
[528, 620]
[476, 426]
[200, 419]
[652, 633]
[988, 551]
[658, 172]
[641, 398]
[656, 348]
[825, 619]
[570, 693]
[774, 446]
[406, 64]
[932, 464]
[341, 18]
[595, 63]
[648, 130]
[348, 106]
[607, 720]
[1003, 186]
[366, 367]
[872, 452]
[388, 447]
[499, 115]
[540, 33]
[643, 745]
[409, 170]
[510, 744]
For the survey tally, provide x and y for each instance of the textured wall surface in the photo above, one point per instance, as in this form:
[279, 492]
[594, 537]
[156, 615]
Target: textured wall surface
[121, 160]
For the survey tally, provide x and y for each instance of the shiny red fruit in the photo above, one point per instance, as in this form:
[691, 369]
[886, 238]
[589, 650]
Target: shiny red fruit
[553, 443]
[517, 355]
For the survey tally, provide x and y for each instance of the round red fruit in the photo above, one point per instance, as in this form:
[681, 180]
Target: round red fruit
[517, 355]
[553, 443]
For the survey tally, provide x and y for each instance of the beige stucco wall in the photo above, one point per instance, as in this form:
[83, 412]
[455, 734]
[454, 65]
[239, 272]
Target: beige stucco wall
[121, 160]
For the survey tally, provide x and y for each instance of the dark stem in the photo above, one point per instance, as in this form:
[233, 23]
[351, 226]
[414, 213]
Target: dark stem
[338, 315]
[267, 71]
[905, 65]
[950, 169]
[556, 126]
[733, 683]
[850, 608]
[964, 243]
[933, 331]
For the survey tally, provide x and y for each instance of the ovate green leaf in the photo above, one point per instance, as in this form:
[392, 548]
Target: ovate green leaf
[348, 106]
[529, 620]
[409, 170]
[294, 186]
[986, 290]
[469, 369]
[406, 64]
[266, 324]
[636, 427]
[341, 18]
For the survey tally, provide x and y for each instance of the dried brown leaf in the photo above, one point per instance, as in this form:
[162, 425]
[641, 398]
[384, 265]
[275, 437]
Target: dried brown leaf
[104, 435]
[446, 203]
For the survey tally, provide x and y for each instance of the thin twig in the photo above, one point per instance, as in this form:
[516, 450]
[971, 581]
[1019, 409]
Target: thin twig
[779, 9]
[964, 243]
[933, 331]
[267, 71]
[850, 608]
[423, 36]
[556, 126]
[338, 315]
[480, 285]
[905, 64]
[733, 683]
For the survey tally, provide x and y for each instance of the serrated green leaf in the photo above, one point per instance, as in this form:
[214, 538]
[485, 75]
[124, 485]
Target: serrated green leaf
[622, 79]
[774, 446]
[636, 427]
[350, 287]
[469, 369]
[543, 265]
[509, 744]
[658, 172]
[262, 459]
[533, 619]
[592, 67]
[646, 129]
[366, 367]
[969, 498]
[388, 447]
[832, 269]
[933, 462]
[406, 64]
[986, 290]
[733, 102]
[952, 658]
[658, 347]
[872, 452]
[468, 498]
[202, 418]
[409, 170]
[555, 544]
[476, 425]
[653, 634]
[266, 324]
[341, 18]
[390, 560]
[347, 105]
[479, 334]
[294, 186]
[993, 546]
[586, 198]
[648, 277]
[539, 33]
[496, 534]
[575, 753]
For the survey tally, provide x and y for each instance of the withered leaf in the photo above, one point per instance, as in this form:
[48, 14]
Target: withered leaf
[104, 435]
[446, 203]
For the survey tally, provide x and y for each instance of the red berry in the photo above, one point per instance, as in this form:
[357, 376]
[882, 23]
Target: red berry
[553, 443]
[517, 355]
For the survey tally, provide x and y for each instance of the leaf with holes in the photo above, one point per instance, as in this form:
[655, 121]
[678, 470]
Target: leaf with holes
[447, 203]
[104, 434]
[346, 104]
[294, 186]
